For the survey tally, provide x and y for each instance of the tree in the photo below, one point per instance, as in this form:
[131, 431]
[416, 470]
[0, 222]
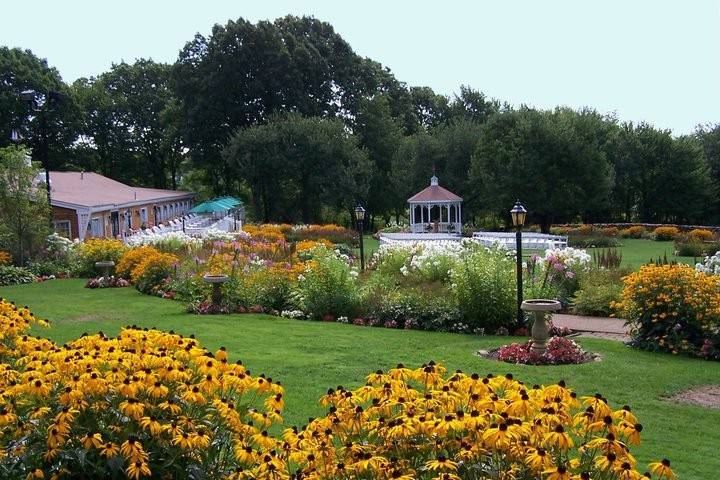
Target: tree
[24, 210]
[542, 158]
[298, 167]
[132, 122]
[243, 73]
[431, 109]
[380, 134]
[473, 105]
[21, 70]
[709, 137]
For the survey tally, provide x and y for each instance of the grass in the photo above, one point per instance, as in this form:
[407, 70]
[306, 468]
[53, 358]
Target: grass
[638, 252]
[309, 357]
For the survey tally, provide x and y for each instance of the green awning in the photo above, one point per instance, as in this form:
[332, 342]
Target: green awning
[217, 205]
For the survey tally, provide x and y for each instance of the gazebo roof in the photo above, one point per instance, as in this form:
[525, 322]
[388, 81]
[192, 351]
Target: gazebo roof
[434, 193]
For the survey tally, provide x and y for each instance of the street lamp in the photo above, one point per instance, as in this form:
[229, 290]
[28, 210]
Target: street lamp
[360, 216]
[518, 214]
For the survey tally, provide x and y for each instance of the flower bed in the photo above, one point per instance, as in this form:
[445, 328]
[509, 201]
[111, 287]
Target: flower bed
[560, 351]
[154, 404]
[673, 308]
[107, 282]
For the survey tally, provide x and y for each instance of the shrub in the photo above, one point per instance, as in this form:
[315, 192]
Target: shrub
[418, 308]
[599, 289]
[270, 288]
[50, 267]
[97, 250]
[636, 231]
[694, 248]
[672, 308]
[168, 242]
[701, 234]
[151, 272]
[575, 241]
[10, 275]
[327, 286]
[5, 258]
[484, 286]
[333, 233]
[561, 230]
[665, 233]
[131, 258]
[582, 229]
[610, 231]
[304, 245]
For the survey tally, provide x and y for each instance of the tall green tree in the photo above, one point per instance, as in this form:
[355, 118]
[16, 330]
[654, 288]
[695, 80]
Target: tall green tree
[132, 121]
[542, 159]
[380, 134]
[243, 73]
[298, 167]
[21, 70]
[24, 211]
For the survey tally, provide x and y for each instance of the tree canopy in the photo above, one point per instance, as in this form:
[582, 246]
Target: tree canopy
[286, 115]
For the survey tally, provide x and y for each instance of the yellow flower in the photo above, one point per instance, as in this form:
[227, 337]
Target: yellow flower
[441, 463]
[93, 440]
[137, 469]
[109, 450]
[662, 469]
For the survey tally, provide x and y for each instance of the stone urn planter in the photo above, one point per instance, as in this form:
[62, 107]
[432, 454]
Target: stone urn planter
[216, 281]
[105, 266]
[542, 310]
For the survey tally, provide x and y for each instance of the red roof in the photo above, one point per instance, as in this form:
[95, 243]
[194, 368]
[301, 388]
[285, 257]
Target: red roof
[89, 189]
[434, 193]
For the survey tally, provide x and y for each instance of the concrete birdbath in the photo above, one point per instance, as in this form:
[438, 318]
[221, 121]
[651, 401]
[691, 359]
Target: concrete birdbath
[105, 265]
[216, 281]
[542, 310]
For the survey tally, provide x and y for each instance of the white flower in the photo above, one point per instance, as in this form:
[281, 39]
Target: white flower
[301, 277]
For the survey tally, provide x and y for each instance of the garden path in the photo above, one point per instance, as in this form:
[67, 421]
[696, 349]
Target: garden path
[603, 327]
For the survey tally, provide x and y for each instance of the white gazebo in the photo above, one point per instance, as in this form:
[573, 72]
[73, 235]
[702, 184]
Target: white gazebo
[435, 210]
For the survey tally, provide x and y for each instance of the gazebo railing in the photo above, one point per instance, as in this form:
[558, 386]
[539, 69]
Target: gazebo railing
[442, 227]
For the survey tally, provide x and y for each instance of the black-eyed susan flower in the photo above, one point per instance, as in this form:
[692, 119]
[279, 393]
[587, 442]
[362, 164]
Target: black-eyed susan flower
[662, 469]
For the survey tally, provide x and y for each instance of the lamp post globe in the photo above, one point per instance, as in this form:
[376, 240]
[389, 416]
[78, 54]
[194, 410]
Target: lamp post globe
[359, 217]
[518, 214]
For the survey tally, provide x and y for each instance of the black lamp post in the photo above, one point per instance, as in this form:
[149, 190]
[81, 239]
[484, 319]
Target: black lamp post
[518, 214]
[360, 216]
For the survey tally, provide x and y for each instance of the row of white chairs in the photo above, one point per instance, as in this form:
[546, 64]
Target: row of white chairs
[530, 240]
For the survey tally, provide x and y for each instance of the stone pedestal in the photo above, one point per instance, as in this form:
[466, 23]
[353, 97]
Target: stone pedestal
[216, 281]
[105, 266]
[542, 312]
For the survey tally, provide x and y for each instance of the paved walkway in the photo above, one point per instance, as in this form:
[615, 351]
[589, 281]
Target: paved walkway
[611, 328]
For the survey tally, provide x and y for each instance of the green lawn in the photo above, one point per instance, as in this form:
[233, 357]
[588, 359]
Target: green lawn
[638, 252]
[309, 357]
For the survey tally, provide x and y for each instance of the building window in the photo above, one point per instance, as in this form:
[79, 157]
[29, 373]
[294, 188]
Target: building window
[96, 227]
[62, 228]
[143, 217]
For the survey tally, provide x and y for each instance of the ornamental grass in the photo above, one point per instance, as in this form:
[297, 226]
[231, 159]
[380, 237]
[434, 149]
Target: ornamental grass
[151, 404]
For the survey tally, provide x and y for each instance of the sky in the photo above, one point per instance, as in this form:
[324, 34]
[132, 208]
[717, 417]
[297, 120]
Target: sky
[654, 61]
